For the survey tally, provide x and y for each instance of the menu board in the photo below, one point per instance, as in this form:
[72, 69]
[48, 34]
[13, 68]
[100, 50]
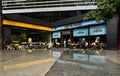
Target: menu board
[98, 30]
[80, 32]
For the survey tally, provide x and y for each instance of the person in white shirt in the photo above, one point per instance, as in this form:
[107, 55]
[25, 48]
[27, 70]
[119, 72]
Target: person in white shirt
[64, 42]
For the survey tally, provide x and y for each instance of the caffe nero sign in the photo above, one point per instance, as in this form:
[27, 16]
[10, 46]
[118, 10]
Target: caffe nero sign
[56, 35]
[98, 30]
[80, 32]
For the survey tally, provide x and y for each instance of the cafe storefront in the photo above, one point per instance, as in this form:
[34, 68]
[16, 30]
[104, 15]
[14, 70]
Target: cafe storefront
[87, 29]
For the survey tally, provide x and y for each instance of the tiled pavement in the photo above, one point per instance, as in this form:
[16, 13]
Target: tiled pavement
[71, 63]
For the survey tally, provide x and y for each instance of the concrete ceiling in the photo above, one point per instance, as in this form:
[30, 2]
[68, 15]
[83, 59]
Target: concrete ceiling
[43, 18]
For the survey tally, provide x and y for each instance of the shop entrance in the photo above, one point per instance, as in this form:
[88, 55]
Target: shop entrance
[66, 37]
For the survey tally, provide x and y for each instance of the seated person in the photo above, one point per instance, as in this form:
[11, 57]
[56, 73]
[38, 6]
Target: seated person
[73, 45]
[93, 45]
[50, 45]
[57, 44]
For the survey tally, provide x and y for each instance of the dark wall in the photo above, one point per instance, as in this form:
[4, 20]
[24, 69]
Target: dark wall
[112, 32]
[7, 35]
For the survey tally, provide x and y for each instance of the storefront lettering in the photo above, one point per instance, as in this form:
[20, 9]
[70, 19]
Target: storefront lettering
[98, 30]
[65, 32]
[80, 32]
[81, 57]
[56, 35]
[72, 26]
[77, 24]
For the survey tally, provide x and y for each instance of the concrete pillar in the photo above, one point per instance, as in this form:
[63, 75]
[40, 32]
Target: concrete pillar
[7, 35]
[119, 33]
[112, 33]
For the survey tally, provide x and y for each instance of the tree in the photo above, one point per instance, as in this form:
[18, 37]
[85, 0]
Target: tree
[105, 10]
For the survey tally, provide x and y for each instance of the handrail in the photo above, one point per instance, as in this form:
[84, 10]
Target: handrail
[41, 1]
[24, 2]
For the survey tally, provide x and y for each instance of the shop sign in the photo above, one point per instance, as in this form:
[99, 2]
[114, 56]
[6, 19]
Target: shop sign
[81, 57]
[73, 25]
[80, 32]
[69, 26]
[56, 35]
[65, 32]
[98, 30]
[77, 24]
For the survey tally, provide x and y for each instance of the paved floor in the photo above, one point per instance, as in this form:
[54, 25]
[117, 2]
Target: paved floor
[24, 63]
[60, 62]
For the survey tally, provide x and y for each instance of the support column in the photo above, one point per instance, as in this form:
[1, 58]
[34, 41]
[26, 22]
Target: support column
[112, 33]
[7, 35]
[1, 37]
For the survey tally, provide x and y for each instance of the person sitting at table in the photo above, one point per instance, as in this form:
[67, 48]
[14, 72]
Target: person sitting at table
[57, 44]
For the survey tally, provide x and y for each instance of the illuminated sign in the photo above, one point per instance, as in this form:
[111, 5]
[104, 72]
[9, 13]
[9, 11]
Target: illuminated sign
[98, 30]
[56, 35]
[58, 28]
[73, 25]
[77, 24]
[90, 22]
[80, 32]
[69, 26]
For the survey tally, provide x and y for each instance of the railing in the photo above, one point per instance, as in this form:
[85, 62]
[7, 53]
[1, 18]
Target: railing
[23, 4]
[43, 4]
